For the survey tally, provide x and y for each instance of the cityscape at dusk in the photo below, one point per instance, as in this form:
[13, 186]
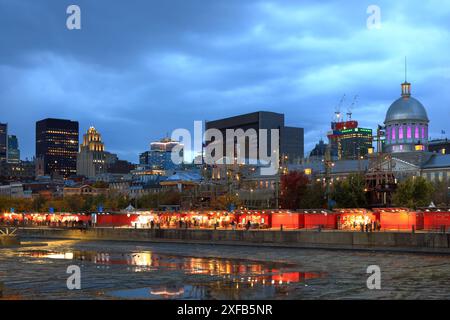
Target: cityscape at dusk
[224, 150]
[141, 72]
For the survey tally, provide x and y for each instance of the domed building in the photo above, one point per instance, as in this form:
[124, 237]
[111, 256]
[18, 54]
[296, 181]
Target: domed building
[406, 124]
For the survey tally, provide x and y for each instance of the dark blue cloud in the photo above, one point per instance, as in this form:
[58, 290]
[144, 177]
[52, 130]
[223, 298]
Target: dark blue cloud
[139, 69]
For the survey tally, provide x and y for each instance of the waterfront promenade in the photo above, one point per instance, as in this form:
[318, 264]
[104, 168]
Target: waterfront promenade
[319, 239]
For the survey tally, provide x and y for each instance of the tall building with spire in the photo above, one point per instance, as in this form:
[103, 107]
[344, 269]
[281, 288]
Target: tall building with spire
[91, 158]
[406, 123]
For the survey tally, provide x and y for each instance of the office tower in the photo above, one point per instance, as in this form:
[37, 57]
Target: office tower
[160, 155]
[57, 146]
[13, 149]
[291, 138]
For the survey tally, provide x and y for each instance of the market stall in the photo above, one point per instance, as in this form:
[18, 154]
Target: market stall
[356, 219]
[319, 218]
[116, 219]
[436, 219]
[397, 219]
[258, 219]
[287, 219]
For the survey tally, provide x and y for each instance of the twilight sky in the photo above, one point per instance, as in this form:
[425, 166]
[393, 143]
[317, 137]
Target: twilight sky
[138, 69]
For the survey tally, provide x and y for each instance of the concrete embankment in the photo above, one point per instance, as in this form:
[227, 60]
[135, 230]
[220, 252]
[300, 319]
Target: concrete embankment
[9, 241]
[386, 241]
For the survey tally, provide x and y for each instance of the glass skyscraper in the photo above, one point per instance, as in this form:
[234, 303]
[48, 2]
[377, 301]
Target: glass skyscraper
[13, 149]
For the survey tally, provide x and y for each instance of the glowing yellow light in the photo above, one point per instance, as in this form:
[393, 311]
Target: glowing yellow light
[419, 147]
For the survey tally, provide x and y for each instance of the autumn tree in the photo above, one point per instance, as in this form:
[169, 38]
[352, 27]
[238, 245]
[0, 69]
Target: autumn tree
[293, 188]
[224, 202]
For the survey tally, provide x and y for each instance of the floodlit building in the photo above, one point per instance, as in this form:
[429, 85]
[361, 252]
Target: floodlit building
[91, 158]
[406, 124]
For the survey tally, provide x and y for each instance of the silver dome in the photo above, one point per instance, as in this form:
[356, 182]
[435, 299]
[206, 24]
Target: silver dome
[406, 108]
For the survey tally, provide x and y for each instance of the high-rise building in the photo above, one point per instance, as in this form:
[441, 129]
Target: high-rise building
[160, 155]
[291, 138]
[3, 141]
[91, 158]
[13, 149]
[348, 141]
[57, 146]
[355, 142]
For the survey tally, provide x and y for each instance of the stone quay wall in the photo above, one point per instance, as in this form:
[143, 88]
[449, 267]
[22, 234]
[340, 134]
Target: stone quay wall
[390, 241]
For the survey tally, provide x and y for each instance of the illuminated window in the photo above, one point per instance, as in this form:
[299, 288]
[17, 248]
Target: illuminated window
[393, 133]
[416, 132]
[408, 132]
[308, 171]
[400, 132]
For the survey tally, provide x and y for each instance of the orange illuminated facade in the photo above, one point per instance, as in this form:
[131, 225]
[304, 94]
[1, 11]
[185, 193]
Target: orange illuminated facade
[398, 219]
[379, 219]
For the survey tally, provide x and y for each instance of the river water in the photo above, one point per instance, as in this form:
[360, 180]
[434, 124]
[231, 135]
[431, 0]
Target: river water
[112, 270]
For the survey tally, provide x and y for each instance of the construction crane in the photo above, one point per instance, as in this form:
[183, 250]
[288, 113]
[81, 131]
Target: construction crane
[350, 108]
[337, 110]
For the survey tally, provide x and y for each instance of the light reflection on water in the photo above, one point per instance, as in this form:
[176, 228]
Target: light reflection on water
[227, 278]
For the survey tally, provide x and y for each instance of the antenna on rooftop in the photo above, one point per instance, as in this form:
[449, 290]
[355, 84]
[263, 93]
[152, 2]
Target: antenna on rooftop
[406, 70]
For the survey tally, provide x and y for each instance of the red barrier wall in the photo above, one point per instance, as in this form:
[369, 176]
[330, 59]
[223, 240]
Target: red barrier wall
[314, 220]
[116, 220]
[398, 220]
[435, 220]
[288, 220]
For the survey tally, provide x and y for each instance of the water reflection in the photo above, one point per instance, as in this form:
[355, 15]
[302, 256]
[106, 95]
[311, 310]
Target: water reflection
[226, 278]
[191, 265]
[260, 287]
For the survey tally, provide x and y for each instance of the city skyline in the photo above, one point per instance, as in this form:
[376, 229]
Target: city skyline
[284, 58]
